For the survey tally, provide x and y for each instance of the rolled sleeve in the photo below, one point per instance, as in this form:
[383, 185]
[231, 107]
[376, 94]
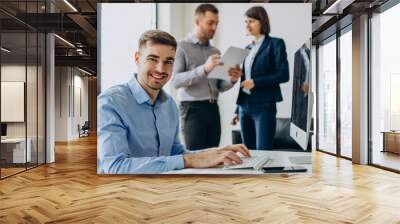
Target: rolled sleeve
[174, 162]
[183, 77]
[199, 71]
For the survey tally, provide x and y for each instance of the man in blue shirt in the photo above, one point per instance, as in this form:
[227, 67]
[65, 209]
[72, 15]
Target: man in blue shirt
[138, 125]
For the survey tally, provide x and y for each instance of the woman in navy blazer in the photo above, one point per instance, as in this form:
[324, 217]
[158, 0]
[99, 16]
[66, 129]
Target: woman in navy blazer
[264, 68]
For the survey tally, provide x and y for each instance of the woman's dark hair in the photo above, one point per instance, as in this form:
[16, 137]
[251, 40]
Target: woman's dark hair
[259, 13]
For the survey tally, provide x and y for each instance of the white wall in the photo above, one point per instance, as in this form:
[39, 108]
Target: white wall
[68, 81]
[121, 25]
[61, 103]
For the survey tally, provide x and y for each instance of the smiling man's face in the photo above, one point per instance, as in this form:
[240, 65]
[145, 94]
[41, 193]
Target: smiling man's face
[155, 63]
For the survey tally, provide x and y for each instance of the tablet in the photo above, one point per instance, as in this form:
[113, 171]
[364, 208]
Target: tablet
[232, 57]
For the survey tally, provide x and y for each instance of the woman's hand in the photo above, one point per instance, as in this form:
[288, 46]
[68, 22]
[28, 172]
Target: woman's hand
[235, 119]
[247, 84]
[235, 73]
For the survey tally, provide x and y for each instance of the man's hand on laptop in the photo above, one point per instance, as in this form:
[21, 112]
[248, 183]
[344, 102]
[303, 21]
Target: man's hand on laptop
[217, 156]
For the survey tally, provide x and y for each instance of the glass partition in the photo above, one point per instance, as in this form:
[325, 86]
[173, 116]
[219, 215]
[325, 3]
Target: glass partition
[346, 94]
[22, 78]
[385, 89]
[14, 154]
[327, 96]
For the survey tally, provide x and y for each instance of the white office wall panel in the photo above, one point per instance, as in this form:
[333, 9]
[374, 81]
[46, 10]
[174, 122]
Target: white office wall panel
[121, 25]
[12, 101]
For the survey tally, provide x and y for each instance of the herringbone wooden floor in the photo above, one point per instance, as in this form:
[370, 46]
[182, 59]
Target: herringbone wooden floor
[70, 191]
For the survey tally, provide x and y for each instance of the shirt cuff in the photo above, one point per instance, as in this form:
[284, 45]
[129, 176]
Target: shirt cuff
[175, 162]
[199, 71]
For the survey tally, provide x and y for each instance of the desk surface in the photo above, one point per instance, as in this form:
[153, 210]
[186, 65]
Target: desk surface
[280, 158]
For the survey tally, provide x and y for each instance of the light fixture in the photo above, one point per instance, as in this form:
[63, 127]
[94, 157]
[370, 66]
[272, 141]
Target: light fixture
[70, 5]
[5, 50]
[84, 71]
[337, 7]
[64, 40]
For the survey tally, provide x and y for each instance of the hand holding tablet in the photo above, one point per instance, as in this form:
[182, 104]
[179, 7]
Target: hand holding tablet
[232, 57]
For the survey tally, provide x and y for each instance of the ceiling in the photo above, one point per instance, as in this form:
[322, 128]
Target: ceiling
[76, 22]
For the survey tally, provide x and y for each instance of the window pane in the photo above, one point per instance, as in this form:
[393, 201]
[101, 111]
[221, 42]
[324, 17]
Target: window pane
[385, 84]
[346, 94]
[327, 97]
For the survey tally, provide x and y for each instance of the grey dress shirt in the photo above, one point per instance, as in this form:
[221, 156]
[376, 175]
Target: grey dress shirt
[189, 77]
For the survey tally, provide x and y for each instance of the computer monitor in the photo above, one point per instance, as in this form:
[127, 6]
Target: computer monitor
[302, 100]
[3, 129]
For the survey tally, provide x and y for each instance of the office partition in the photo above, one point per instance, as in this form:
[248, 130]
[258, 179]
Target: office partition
[22, 77]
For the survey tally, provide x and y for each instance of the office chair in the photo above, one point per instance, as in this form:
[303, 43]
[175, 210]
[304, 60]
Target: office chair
[84, 130]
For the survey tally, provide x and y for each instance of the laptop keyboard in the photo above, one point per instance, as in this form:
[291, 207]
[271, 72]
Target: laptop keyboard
[256, 162]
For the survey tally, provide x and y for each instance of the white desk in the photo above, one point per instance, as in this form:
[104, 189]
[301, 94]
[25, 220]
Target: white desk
[280, 158]
[18, 154]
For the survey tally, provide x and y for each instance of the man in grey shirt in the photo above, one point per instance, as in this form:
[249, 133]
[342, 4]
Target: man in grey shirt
[195, 58]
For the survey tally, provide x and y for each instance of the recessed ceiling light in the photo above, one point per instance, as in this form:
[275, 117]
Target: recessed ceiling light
[5, 50]
[70, 5]
[64, 40]
[337, 7]
[84, 71]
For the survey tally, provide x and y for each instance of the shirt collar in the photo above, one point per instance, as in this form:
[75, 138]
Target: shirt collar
[141, 95]
[259, 41]
[193, 38]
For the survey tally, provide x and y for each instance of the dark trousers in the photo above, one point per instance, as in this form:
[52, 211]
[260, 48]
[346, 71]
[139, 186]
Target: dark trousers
[201, 125]
[258, 128]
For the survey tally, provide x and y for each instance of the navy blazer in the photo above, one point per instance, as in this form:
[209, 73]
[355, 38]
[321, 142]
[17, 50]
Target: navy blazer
[270, 68]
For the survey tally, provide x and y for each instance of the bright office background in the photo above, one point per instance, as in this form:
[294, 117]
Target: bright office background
[384, 88]
[292, 22]
[385, 77]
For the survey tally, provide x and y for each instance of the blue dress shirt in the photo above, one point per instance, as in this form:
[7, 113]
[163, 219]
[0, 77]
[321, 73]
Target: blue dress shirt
[135, 136]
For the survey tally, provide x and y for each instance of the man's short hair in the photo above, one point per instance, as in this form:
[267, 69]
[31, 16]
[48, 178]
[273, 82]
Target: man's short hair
[203, 8]
[157, 37]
